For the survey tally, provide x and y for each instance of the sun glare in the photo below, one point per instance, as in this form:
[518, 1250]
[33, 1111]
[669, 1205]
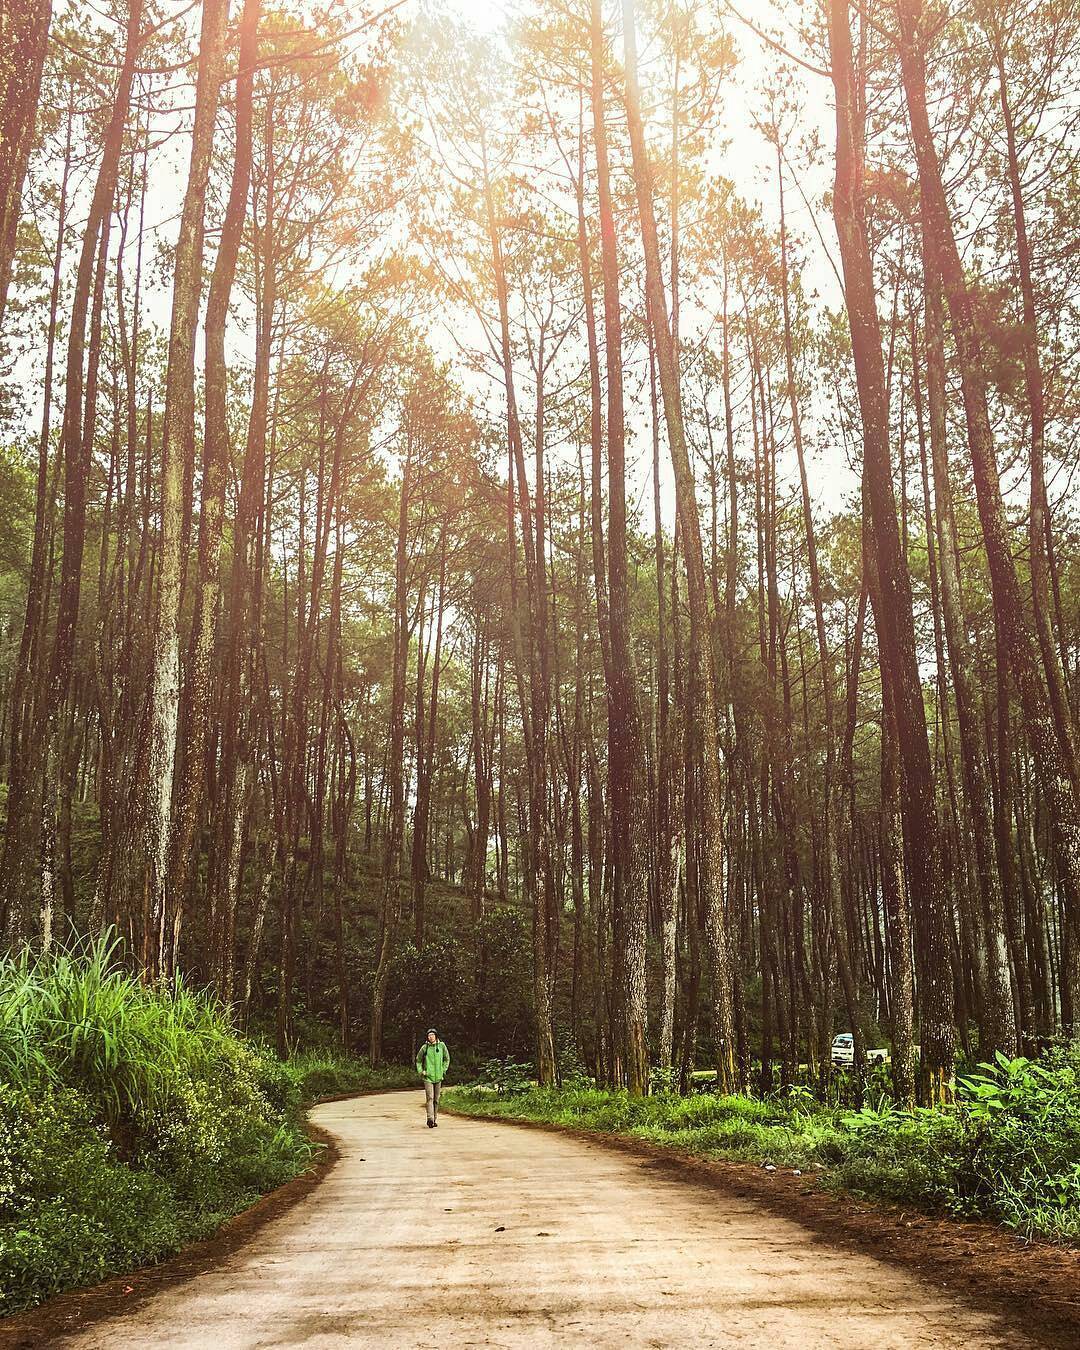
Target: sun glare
[485, 16]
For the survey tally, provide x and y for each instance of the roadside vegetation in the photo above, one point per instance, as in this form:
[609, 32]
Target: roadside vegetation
[1008, 1150]
[134, 1120]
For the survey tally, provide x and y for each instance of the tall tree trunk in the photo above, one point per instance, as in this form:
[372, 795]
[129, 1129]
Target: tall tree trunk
[626, 794]
[701, 643]
[395, 822]
[1052, 752]
[893, 615]
[531, 668]
[832, 879]
[24, 32]
[1039, 524]
[425, 762]
[670, 740]
[26, 681]
[80, 389]
[1000, 1030]
[177, 451]
[197, 689]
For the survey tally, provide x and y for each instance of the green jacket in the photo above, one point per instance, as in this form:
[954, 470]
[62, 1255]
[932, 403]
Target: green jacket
[432, 1061]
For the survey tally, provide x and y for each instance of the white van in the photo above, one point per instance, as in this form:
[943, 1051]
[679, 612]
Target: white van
[843, 1051]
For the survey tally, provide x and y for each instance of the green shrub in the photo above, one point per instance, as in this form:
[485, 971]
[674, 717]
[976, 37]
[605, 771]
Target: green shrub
[1022, 1126]
[133, 1119]
[70, 1210]
[509, 1077]
[915, 1157]
[664, 1080]
[316, 1075]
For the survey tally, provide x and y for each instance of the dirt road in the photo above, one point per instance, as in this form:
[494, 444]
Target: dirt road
[484, 1234]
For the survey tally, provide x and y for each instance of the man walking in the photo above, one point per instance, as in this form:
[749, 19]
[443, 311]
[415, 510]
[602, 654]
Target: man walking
[432, 1062]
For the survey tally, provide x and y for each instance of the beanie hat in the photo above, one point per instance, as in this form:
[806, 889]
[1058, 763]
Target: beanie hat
[431, 1031]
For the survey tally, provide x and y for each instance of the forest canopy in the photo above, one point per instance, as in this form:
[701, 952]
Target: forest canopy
[559, 518]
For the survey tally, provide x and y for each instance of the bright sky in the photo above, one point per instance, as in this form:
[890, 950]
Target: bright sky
[748, 161]
[745, 158]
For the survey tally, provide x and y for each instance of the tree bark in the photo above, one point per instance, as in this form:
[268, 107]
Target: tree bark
[24, 32]
[177, 451]
[701, 637]
[893, 614]
[1051, 752]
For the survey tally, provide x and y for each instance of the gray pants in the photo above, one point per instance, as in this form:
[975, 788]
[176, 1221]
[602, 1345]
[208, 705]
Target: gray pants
[431, 1098]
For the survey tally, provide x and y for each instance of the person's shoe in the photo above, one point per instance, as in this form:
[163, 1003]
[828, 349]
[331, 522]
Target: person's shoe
[431, 1124]
[435, 1123]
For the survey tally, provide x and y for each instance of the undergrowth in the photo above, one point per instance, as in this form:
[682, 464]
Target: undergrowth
[1008, 1150]
[134, 1120]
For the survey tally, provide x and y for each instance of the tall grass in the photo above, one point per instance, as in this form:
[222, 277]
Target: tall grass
[78, 1019]
[133, 1118]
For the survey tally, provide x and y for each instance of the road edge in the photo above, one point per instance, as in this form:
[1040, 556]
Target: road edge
[1034, 1287]
[67, 1314]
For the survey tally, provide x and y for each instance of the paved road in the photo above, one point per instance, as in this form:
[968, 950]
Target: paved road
[485, 1234]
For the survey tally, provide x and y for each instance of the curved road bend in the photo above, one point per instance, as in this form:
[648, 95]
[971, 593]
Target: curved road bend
[487, 1234]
